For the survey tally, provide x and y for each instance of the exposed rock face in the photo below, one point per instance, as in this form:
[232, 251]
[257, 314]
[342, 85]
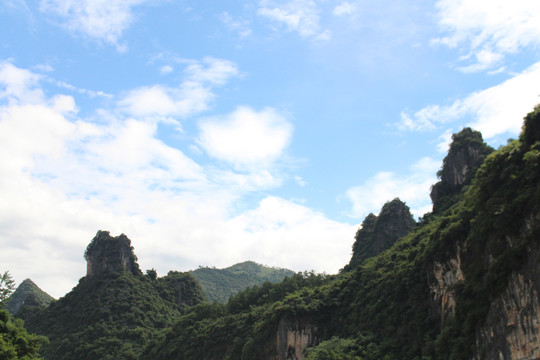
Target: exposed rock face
[107, 254]
[512, 327]
[446, 275]
[467, 152]
[379, 233]
[511, 330]
[293, 338]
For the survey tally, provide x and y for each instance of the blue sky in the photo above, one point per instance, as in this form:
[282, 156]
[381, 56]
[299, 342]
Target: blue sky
[218, 132]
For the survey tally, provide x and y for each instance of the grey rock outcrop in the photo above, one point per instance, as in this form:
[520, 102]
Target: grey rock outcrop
[107, 254]
[294, 336]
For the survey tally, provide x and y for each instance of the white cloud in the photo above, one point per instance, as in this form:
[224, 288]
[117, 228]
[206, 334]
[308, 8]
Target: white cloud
[62, 178]
[19, 84]
[272, 230]
[345, 8]
[494, 111]
[489, 29]
[192, 96]
[104, 20]
[246, 137]
[412, 188]
[301, 16]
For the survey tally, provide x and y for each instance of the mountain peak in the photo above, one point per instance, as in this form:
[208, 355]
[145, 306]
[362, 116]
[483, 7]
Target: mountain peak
[107, 254]
[467, 152]
[379, 233]
[27, 294]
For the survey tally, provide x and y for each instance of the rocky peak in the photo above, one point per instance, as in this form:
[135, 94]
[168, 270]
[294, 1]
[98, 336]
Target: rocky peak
[28, 294]
[107, 254]
[467, 152]
[379, 233]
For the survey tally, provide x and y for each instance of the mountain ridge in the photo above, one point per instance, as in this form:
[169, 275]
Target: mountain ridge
[220, 284]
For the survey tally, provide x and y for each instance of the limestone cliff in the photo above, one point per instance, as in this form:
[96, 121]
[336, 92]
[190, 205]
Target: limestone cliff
[107, 254]
[484, 275]
[446, 274]
[293, 337]
[512, 327]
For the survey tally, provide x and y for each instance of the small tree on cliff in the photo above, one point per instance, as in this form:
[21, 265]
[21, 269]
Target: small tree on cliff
[7, 286]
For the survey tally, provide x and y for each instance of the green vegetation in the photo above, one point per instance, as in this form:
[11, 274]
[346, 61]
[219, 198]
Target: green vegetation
[113, 316]
[239, 329]
[220, 284]
[15, 342]
[7, 285]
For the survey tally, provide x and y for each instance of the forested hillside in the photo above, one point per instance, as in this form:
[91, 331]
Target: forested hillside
[220, 284]
[462, 284]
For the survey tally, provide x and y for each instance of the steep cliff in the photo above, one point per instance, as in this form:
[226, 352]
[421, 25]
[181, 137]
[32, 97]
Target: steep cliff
[293, 337]
[485, 269]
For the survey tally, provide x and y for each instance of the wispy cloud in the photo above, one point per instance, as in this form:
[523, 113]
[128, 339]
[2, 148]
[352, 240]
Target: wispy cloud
[494, 111]
[103, 20]
[238, 25]
[192, 96]
[488, 30]
[301, 16]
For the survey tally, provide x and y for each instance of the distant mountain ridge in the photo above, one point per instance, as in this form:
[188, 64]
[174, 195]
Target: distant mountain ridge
[220, 284]
[27, 295]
